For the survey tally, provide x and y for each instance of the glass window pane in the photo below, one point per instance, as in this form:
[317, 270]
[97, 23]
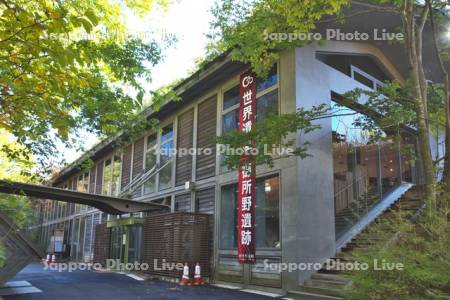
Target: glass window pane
[267, 104]
[228, 214]
[408, 154]
[165, 177]
[389, 166]
[165, 174]
[266, 83]
[267, 213]
[116, 175]
[80, 184]
[106, 177]
[150, 156]
[230, 121]
[167, 133]
[231, 97]
[150, 185]
[86, 182]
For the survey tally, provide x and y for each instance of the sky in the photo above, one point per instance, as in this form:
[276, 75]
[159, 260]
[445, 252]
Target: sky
[188, 21]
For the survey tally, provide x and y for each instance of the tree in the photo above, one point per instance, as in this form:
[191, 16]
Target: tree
[64, 66]
[18, 208]
[239, 27]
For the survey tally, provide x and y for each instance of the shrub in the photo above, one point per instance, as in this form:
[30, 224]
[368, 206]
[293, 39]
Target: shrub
[423, 248]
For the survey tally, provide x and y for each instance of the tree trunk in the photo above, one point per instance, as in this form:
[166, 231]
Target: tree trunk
[446, 173]
[413, 32]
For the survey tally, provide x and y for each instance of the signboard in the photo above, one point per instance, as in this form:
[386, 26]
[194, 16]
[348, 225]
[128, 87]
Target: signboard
[247, 174]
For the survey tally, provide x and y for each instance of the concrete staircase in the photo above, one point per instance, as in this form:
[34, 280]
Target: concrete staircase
[329, 283]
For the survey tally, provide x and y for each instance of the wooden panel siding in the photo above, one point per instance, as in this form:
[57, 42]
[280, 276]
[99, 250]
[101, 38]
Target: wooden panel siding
[184, 141]
[138, 162]
[206, 138]
[126, 166]
[92, 180]
[205, 202]
[183, 202]
[98, 185]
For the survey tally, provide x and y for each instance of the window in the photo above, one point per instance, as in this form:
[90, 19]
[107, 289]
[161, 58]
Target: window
[106, 177]
[82, 186]
[115, 189]
[150, 163]
[111, 175]
[266, 102]
[361, 68]
[83, 183]
[267, 220]
[161, 160]
[165, 158]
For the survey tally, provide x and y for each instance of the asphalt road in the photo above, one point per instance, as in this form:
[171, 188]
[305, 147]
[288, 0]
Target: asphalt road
[87, 285]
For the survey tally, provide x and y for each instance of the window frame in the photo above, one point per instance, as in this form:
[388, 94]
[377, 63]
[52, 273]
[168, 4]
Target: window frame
[222, 112]
[276, 173]
[157, 147]
[110, 157]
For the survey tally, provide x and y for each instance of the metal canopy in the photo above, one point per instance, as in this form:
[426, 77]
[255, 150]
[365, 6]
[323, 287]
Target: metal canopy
[107, 204]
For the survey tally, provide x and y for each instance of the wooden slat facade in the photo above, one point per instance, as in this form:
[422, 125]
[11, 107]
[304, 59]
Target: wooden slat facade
[98, 185]
[183, 202]
[184, 141]
[206, 138]
[126, 166]
[92, 180]
[205, 201]
[138, 162]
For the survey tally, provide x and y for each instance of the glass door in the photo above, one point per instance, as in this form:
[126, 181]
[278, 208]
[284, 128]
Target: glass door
[134, 243]
[117, 243]
[126, 243]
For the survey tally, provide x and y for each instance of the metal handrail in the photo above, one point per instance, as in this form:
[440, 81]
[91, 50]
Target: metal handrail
[350, 186]
[143, 177]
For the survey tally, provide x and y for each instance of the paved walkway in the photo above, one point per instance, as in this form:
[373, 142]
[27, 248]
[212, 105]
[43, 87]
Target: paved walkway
[86, 285]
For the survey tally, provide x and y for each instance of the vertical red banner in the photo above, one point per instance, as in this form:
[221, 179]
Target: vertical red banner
[247, 173]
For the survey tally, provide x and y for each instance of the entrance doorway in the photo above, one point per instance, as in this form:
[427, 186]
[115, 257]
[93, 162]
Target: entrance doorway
[126, 243]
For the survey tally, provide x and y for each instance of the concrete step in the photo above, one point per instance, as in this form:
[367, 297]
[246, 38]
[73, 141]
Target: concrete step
[331, 277]
[300, 295]
[335, 292]
[326, 284]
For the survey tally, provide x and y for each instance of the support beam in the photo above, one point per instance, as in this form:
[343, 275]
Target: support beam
[107, 204]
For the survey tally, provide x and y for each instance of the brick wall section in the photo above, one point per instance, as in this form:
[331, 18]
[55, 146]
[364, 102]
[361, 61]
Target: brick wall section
[126, 166]
[102, 244]
[98, 185]
[184, 141]
[206, 138]
[138, 162]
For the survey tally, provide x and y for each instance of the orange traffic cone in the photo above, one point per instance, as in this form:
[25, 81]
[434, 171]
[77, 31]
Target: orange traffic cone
[198, 277]
[185, 277]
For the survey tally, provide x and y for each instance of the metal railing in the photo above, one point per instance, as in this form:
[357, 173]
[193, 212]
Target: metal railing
[141, 178]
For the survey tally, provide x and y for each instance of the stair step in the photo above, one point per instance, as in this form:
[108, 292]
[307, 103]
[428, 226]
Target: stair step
[331, 277]
[300, 295]
[323, 291]
[327, 284]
